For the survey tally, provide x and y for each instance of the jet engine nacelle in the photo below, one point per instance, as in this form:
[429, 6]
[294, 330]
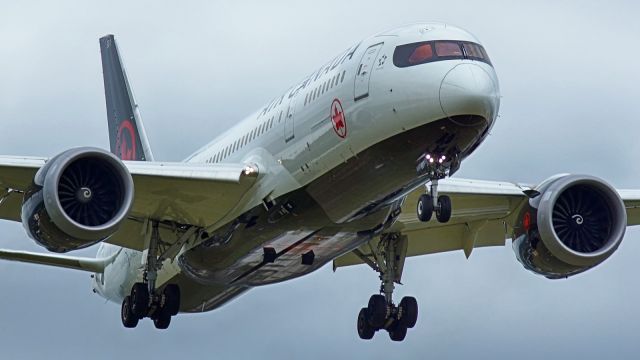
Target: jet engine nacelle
[571, 224]
[78, 198]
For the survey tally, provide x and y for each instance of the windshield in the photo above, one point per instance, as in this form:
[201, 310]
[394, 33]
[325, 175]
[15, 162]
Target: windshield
[430, 51]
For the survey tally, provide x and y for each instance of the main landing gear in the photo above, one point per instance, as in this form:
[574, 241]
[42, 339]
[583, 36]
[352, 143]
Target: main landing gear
[145, 300]
[381, 313]
[435, 168]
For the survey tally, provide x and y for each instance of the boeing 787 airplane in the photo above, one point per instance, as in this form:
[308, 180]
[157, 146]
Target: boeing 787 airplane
[352, 165]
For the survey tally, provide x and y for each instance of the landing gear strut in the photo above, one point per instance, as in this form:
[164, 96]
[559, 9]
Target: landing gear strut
[381, 312]
[435, 168]
[145, 300]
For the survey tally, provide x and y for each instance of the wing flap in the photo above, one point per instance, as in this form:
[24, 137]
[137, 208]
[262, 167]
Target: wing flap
[480, 218]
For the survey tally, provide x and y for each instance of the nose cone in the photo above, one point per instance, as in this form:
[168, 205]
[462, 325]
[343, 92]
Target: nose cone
[468, 89]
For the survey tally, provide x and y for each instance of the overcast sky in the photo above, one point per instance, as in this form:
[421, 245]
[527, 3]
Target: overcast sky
[570, 92]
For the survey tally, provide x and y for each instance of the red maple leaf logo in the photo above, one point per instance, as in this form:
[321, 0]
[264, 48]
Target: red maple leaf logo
[126, 141]
[338, 119]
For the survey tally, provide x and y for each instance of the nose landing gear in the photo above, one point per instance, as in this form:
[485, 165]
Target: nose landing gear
[381, 312]
[431, 202]
[435, 168]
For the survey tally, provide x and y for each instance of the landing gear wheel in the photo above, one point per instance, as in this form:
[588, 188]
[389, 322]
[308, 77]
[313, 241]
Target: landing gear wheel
[443, 212]
[425, 207]
[377, 311]
[162, 320]
[139, 299]
[171, 294]
[409, 310]
[365, 331]
[397, 332]
[129, 319]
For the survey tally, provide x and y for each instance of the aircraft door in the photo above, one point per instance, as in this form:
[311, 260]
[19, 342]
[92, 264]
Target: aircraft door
[363, 73]
[288, 120]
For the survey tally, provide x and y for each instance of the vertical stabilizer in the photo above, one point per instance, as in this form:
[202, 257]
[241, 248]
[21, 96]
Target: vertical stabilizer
[127, 137]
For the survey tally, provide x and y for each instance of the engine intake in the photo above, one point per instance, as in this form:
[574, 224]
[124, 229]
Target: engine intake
[79, 198]
[575, 223]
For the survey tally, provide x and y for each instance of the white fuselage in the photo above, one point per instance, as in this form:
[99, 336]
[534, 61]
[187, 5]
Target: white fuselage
[304, 132]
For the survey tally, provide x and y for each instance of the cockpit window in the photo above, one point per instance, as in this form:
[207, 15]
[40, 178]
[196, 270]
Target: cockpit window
[429, 51]
[422, 53]
[448, 49]
[474, 51]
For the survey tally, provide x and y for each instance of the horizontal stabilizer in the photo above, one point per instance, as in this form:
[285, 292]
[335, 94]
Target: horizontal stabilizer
[69, 262]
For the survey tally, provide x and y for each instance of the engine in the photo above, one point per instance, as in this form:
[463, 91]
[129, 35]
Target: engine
[570, 224]
[78, 198]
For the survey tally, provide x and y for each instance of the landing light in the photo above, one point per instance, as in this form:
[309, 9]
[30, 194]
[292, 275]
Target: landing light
[250, 170]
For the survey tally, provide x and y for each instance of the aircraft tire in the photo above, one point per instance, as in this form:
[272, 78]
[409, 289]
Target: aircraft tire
[365, 330]
[129, 319]
[425, 207]
[397, 332]
[162, 320]
[139, 299]
[409, 308]
[377, 311]
[172, 298]
[443, 213]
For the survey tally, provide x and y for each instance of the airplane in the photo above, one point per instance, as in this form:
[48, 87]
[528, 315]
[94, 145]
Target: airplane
[352, 165]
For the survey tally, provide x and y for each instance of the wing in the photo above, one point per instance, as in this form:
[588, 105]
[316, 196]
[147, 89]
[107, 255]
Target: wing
[184, 193]
[483, 214]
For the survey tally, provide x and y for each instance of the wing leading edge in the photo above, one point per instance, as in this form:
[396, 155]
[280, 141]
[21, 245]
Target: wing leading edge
[185, 193]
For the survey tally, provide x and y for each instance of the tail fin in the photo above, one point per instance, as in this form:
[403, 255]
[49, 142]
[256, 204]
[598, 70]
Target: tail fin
[126, 133]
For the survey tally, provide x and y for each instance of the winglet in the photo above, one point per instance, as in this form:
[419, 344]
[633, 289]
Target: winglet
[127, 137]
